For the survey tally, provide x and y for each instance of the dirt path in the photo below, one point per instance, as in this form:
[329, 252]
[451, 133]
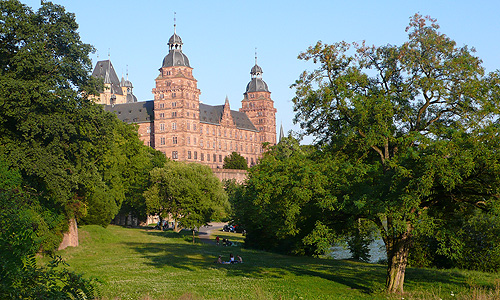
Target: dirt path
[205, 232]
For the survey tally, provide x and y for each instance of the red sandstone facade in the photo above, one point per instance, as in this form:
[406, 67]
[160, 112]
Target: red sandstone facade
[181, 127]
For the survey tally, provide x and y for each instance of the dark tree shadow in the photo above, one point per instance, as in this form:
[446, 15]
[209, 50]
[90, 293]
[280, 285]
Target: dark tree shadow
[367, 278]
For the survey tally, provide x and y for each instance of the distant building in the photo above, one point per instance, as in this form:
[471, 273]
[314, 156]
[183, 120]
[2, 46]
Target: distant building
[115, 91]
[177, 124]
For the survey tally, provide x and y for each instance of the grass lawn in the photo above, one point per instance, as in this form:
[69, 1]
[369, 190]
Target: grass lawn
[149, 264]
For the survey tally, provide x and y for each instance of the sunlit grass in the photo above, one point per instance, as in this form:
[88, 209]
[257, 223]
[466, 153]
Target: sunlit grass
[155, 265]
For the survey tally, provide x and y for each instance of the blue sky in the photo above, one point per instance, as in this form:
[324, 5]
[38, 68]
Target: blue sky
[220, 37]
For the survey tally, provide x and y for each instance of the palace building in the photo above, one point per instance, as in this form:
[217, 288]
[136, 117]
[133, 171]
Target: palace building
[179, 125]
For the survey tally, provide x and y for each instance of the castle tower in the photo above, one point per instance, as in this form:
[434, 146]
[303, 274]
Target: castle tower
[259, 106]
[176, 104]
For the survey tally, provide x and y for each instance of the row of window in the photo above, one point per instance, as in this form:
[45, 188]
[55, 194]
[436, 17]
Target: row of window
[188, 139]
[194, 156]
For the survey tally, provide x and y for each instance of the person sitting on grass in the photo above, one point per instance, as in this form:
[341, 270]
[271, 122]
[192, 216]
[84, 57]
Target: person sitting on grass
[240, 260]
[231, 258]
[219, 260]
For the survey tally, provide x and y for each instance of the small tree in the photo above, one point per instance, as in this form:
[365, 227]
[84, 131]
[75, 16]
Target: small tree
[189, 192]
[235, 161]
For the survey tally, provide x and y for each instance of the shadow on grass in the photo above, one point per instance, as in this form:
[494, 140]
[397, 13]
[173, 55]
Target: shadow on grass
[367, 278]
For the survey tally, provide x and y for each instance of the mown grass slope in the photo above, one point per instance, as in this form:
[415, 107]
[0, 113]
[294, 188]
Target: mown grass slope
[150, 264]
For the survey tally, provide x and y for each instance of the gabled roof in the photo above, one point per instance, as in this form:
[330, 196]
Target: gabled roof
[104, 69]
[136, 112]
[140, 112]
[213, 115]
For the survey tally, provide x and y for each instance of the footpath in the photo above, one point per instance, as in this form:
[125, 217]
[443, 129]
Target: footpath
[205, 232]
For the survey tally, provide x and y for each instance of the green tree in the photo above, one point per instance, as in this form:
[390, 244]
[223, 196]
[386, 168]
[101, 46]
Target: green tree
[189, 192]
[235, 161]
[65, 146]
[279, 204]
[409, 133]
[23, 232]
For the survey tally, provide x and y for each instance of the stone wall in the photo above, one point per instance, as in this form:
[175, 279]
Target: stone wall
[70, 238]
[226, 174]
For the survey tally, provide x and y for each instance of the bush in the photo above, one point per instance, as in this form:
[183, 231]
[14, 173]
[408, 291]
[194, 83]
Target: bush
[21, 238]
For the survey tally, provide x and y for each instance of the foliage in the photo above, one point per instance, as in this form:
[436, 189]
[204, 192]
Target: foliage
[189, 192]
[279, 205]
[81, 161]
[359, 239]
[469, 241]
[235, 161]
[409, 133]
[23, 229]
[140, 161]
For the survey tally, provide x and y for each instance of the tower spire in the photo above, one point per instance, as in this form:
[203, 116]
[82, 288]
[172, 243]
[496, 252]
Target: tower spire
[174, 21]
[255, 55]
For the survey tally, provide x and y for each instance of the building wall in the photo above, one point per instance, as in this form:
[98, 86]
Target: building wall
[180, 135]
[226, 174]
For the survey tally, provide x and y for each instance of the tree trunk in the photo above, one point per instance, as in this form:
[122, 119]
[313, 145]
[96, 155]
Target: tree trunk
[397, 249]
[193, 236]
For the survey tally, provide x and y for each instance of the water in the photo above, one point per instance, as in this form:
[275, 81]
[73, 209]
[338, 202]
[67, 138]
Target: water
[377, 251]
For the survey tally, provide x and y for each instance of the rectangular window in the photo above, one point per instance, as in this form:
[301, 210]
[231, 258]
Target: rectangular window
[189, 154]
[162, 127]
[173, 95]
[194, 127]
[202, 156]
[161, 97]
[208, 156]
[220, 158]
[189, 140]
[162, 105]
[195, 154]
[174, 126]
[162, 141]
[148, 129]
[194, 141]
[162, 115]
[174, 104]
[174, 140]
[215, 158]
[188, 126]
[175, 155]
[174, 114]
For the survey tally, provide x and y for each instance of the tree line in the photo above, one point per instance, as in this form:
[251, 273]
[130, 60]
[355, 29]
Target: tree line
[63, 157]
[406, 141]
[406, 146]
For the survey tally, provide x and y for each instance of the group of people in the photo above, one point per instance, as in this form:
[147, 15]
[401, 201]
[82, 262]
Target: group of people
[232, 260]
[225, 242]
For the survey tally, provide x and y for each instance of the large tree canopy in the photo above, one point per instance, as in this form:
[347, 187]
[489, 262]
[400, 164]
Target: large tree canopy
[410, 133]
[80, 160]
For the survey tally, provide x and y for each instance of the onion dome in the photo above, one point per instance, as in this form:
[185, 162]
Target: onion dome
[175, 39]
[126, 83]
[256, 84]
[175, 57]
[256, 70]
